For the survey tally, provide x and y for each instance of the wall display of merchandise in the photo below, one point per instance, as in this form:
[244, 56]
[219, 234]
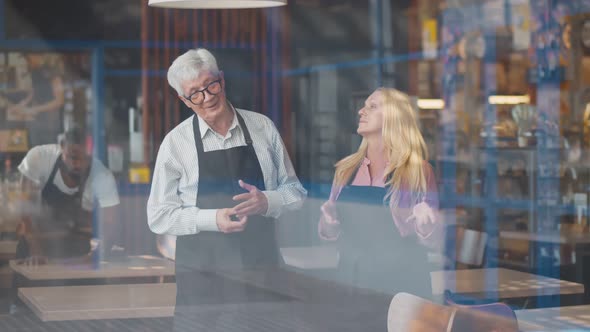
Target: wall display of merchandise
[515, 164]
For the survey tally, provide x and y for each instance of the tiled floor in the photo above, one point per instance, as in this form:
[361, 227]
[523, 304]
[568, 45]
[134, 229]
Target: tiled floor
[28, 322]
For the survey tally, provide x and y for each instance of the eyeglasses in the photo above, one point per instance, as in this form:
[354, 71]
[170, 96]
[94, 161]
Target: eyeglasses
[198, 97]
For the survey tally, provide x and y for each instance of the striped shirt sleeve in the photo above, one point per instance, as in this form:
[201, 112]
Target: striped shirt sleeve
[289, 193]
[167, 213]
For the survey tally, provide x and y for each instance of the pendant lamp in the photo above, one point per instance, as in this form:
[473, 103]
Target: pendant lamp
[216, 4]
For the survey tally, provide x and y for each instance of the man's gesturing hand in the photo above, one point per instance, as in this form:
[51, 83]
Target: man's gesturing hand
[226, 225]
[254, 201]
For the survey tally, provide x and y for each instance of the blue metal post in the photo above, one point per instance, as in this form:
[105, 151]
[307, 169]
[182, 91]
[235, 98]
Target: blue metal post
[490, 148]
[98, 132]
[448, 132]
[98, 129]
[548, 111]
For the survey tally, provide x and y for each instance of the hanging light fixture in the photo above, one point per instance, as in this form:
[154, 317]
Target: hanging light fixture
[216, 4]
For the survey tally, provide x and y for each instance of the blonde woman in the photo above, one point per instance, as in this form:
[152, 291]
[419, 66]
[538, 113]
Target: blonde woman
[383, 205]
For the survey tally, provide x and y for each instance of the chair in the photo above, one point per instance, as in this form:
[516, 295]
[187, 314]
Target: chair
[487, 318]
[468, 246]
[411, 313]
[166, 245]
[495, 308]
[466, 249]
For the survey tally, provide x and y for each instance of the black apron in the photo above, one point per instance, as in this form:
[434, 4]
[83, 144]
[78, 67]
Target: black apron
[66, 216]
[373, 254]
[199, 256]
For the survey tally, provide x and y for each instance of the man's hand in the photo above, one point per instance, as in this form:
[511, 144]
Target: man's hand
[255, 202]
[226, 225]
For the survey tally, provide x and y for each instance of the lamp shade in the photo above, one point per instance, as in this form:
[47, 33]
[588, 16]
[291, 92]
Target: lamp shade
[216, 4]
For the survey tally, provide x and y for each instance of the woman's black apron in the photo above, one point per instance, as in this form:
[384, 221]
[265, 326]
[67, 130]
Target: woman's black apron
[376, 262]
[373, 254]
[199, 256]
[66, 217]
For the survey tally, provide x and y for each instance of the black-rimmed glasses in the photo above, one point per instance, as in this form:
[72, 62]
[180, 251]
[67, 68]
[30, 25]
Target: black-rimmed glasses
[198, 97]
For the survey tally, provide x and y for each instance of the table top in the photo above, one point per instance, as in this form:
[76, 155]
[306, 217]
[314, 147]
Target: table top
[554, 319]
[494, 283]
[158, 300]
[128, 267]
[500, 283]
[556, 237]
[489, 283]
[100, 301]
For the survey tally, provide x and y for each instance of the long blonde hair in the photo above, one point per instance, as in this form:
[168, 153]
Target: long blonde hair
[404, 146]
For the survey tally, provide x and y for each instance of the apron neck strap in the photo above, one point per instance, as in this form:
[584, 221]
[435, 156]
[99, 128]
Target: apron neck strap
[197, 130]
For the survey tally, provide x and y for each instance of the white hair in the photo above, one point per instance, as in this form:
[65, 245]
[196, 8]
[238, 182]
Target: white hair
[189, 66]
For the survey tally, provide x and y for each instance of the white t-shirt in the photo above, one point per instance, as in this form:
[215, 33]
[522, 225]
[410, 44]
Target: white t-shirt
[40, 160]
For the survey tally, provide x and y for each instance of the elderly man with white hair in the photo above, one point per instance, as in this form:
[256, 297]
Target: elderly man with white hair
[221, 179]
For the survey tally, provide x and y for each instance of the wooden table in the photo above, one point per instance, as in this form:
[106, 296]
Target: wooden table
[493, 283]
[564, 248]
[554, 319]
[157, 300]
[130, 267]
[500, 283]
[100, 301]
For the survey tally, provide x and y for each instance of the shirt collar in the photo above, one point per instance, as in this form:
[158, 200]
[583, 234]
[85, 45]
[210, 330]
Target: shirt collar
[367, 162]
[204, 127]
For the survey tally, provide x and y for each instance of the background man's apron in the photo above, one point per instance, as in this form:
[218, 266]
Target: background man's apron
[199, 256]
[66, 216]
